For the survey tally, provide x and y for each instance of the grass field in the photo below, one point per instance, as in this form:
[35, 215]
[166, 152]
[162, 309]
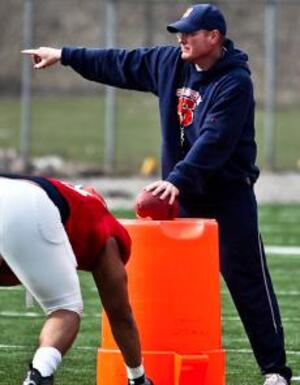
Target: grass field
[73, 127]
[280, 225]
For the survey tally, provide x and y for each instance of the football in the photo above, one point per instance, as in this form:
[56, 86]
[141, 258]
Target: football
[148, 206]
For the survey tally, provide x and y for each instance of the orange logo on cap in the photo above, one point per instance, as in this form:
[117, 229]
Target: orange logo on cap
[187, 12]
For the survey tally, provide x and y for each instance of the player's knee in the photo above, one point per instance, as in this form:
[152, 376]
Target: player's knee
[75, 306]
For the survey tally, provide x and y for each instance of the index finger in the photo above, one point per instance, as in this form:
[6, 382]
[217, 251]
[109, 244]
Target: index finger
[29, 51]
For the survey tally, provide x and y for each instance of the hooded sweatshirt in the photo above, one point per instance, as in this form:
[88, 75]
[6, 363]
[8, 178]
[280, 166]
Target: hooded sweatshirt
[207, 117]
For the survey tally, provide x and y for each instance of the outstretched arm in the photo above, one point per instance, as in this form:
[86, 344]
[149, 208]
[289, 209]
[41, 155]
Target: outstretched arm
[137, 69]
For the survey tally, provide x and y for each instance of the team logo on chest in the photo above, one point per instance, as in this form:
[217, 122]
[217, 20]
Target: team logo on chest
[188, 100]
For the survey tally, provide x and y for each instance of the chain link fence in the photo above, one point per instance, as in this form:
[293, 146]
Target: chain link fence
[68, 112]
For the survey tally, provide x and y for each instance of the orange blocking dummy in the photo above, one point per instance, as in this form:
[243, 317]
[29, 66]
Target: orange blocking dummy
[174, 287]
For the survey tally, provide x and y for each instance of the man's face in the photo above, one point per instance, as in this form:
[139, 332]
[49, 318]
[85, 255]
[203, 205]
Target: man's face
[196, 45]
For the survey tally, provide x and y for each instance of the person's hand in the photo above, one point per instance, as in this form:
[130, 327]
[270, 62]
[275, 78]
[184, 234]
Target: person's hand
[43, 57]
[164, 189]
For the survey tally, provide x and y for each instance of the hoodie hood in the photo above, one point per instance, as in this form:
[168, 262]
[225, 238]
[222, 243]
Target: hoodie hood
[232, 58]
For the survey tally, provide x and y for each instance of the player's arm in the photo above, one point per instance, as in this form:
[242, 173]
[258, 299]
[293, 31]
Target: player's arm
[111, 280]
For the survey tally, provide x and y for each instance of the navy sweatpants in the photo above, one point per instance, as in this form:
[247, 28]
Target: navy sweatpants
[245, 271]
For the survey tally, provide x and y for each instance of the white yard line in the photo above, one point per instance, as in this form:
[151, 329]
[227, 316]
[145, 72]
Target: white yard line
[283, 250]
[246, 351]
[3, 346]
[12, 288]
[287, 293]
[284, 319]
[30, 314]
[235, 351]
[99, 315]
[40, 315]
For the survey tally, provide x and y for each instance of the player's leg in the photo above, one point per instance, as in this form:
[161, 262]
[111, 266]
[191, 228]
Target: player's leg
[111, 279]
[34, 244]
[60, 330]
[56, 337]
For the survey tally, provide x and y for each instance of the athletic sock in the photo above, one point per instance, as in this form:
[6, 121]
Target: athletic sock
[136, 376]
[46, 360]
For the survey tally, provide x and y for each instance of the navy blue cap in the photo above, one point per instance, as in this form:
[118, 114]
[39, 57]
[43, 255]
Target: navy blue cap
[200, 16]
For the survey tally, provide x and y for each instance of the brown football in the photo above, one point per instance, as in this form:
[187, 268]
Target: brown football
[149, 206]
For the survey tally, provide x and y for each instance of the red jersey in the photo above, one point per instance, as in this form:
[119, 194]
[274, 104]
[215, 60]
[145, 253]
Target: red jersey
[90, 224]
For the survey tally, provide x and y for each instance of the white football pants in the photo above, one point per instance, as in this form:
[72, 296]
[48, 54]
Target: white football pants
[34, 244]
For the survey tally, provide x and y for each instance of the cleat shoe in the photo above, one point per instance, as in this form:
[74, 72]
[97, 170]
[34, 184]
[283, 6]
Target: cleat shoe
[275, 379]
[140, 381]
[34, 377]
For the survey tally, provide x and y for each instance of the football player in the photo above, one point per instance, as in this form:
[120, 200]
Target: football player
[48, 230]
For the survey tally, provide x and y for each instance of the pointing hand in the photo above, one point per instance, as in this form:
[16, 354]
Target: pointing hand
[43, 57]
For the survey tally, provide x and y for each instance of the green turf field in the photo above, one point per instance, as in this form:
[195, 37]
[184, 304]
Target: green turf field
[280, 225]
[73, 127]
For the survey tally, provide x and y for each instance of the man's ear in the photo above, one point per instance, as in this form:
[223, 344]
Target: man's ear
[215, 36]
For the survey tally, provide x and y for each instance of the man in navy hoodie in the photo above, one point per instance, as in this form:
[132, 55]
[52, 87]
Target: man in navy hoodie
[208, 153]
